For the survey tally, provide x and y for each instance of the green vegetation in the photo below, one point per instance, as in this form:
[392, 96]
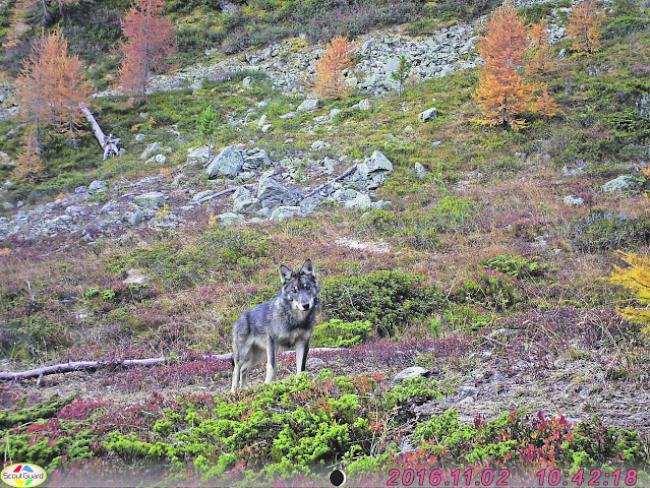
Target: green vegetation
[516, 266]
[388, 299]
[337, 333]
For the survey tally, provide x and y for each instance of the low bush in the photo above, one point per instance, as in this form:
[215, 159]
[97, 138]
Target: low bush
[490, 289]
[601, 229]
[516, 266]
[388, 299]
[337, 333]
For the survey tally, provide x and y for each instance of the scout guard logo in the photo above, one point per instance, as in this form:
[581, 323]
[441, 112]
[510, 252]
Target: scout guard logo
[23, 474]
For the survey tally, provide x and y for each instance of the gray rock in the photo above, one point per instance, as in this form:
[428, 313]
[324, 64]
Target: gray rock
[421, 171]
[286, 212]
[6, 161]
[198, 156]
[272, 194]
[623, 184]
[376, 162]
[314, 364]
[257, 159]
[228, 163]
[343, 195]
[333, 113]
[262, 122]
[365, 104]
[97, 186]
[134, 218]
[243, 201]
[360, 202]
[412, 372]
[158, 159]
[572, 201]
[428, 115]
[140, 137]
[309, 105]
[288, 115]
[267, 127]
[319, 145]
[151, 149]
[231, 219]
[152, 199]
[247, 82]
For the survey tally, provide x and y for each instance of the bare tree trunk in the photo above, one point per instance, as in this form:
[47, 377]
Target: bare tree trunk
[95, 365]
[109, 144]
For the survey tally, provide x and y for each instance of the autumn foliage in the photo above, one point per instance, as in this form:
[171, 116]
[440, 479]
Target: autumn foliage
[539, 60]
[635, 277]
[583, 26]
[51, 86]
[150, 40]
[330, 79]
[503, 95]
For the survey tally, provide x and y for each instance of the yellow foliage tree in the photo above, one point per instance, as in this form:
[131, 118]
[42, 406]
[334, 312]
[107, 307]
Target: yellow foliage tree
[330, 80]
[635, 277]
[583, 26]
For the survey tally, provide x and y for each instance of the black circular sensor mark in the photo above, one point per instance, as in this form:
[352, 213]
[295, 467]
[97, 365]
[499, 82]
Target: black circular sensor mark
[337, 478]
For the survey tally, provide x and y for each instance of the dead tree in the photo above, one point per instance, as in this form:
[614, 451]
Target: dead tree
[110, 144]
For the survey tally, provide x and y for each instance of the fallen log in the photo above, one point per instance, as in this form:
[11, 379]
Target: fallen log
[72, 366]
[347, 172]
[109, 144]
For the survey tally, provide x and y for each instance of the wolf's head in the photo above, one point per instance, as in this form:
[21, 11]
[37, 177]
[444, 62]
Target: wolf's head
[300, 287]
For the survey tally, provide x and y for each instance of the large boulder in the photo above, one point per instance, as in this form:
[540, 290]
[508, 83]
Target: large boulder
[198, 156]
[360, 202]
[285, 212]
[231, 219]
[243, 201]
[272, 194]
[228, 163]
[309, 105]
[151, 149]
[412, 372]
[376, 162]
[152, 199]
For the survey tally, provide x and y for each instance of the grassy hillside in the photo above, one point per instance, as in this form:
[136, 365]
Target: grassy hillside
[480, 272]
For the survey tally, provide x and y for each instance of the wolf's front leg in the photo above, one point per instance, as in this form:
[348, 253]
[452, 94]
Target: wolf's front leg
[270, 360]
[302, 348]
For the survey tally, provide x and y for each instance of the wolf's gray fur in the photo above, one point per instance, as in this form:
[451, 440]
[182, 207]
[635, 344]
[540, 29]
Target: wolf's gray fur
[286, 322]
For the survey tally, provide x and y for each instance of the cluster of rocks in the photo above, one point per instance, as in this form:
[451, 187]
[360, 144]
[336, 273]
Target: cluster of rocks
[276, 199]
[263, 190]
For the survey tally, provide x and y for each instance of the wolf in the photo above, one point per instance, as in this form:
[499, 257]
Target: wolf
[285, 322]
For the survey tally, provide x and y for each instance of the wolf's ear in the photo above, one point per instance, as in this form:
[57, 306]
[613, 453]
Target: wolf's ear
[285, 274]
[307, 268]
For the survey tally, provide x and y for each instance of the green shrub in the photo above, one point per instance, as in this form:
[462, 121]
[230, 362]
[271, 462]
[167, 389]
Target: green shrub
[337, 333]
[389, 300]
[490, 289]
[467, 318]
[600, 230]
[516, 266]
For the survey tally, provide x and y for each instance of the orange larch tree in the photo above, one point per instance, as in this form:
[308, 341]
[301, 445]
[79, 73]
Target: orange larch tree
[503, 95]
[584, 25]
[539, 59]
[50, 90]
[51, 86]
[330, 80]
[150, 41]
